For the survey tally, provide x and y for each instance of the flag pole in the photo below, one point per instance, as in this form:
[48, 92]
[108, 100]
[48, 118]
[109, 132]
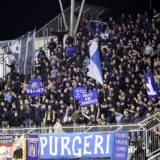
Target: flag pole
[74, 104]
[103, 92]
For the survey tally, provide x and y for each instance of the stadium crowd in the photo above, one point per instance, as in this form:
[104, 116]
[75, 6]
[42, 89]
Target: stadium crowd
[126, 48]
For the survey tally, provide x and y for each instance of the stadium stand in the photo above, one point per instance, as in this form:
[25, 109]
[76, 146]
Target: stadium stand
[126, 50]
[127, 47]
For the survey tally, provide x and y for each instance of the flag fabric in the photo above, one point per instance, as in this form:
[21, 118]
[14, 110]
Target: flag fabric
[152, 88]
[88, 98]
[104, 35]
[70, 51]
[95, 69]
[35, 87]
[77, 91]
[4, 46]
[97, 25]
[23, 50]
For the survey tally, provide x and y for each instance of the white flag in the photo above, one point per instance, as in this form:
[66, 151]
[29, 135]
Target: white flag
[21, 50]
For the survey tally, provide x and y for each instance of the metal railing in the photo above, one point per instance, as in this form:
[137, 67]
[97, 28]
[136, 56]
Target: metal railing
[56, 24]
[156, 52]
[145, 124]
[153, 141]
[70, 129]
[151, 121]
[155, 157]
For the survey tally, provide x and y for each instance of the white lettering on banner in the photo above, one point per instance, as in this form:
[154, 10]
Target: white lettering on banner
[87, 95]
[98, 143]
[51, 145]
[120, 155]
[121, 149]
[121, 135]
[32, 139]
[89, 102]
[38, 90]
[86, 144]
[77, 146]
[64, 145]
[43, 141]
[6, 141]
[79, 153]
[88, 99]
[6, 137]
[28, 90]
[81, 91]
[107, 147]
[121, 142]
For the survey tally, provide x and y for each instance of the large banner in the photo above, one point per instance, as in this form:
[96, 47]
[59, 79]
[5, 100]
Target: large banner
[19, 148]
[32, 147]
[75, 145]
[35, 87]
[77, 91]
[89, 98]
[121, 146]
[6, 142]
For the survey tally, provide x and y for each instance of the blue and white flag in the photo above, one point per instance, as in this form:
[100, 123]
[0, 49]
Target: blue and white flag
[89, 98]
[35, 87]
[152, 89]
[95, 70]
[104, 35]
[77, 91]
[23, 49]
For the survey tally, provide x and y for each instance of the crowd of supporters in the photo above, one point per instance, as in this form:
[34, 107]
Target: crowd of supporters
[127, 47]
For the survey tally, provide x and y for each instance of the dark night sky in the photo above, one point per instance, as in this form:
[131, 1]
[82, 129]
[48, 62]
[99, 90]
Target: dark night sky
[20, 16]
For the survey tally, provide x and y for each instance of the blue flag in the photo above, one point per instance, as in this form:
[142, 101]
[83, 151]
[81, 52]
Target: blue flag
[35, 88]
[77, 91]
[95, 69]
[70, 51]
[152, 88]
[89, 98]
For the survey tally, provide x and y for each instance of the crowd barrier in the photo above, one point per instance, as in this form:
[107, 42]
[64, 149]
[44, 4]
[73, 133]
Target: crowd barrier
[76, 141]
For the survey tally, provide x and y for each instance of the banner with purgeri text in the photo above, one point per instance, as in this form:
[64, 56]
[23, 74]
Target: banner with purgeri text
[75, 145]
